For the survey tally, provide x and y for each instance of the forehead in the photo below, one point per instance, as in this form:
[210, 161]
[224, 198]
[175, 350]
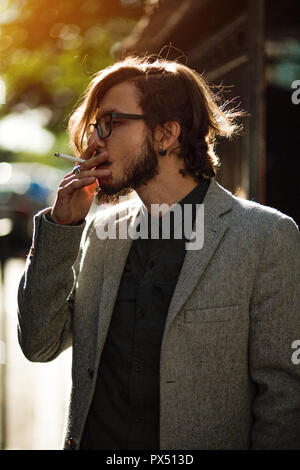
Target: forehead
[122, 98]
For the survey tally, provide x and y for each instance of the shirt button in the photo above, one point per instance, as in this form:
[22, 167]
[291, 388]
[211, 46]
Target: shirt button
[138, 368]
[140, 312]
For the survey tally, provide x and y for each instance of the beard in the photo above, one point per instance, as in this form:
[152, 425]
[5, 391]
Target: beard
[137, 173]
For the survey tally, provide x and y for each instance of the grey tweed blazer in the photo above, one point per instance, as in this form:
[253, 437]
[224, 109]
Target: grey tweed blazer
[227, 375]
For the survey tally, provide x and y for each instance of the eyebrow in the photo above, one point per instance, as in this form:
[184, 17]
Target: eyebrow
[113, 110]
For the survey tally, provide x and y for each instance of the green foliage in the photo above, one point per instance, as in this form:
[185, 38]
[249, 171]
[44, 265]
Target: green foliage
[50, 50]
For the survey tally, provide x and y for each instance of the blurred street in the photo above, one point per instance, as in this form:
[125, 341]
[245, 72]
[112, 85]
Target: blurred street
[33, 396]
[36, 394]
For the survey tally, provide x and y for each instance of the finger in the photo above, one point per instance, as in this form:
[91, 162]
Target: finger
[76, 184]
[93, 149]
[67, 178]
[96, 172]
[70, 173]
[90, 150]
[94, 160]
[85, 174]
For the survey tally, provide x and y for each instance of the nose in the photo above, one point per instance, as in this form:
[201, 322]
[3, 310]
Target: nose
[95, 139]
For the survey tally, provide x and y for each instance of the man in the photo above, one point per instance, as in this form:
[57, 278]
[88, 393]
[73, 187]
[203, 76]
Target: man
[173, 347]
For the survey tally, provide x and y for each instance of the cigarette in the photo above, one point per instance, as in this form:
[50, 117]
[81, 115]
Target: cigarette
[69, 157]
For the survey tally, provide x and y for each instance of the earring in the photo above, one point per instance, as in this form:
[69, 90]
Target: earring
[162, 152]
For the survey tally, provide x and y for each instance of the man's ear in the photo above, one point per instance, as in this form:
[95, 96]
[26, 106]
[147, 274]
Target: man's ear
[166, 135]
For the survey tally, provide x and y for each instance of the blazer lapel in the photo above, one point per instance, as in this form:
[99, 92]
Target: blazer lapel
[216, 202]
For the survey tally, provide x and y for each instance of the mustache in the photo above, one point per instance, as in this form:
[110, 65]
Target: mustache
[98, 152]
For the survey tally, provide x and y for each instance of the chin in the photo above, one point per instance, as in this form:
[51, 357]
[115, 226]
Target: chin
[110, 193]
[105, 183]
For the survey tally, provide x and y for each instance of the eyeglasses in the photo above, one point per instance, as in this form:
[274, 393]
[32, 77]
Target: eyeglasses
[104, 124]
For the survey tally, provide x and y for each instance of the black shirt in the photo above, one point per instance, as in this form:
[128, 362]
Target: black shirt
[124, 412]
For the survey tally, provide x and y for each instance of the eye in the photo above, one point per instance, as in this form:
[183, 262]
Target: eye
[116, 123]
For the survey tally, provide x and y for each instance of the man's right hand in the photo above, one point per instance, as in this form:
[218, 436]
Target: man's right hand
[76, 191]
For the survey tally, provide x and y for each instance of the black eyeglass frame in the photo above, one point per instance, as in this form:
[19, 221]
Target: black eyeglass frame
[114, 115]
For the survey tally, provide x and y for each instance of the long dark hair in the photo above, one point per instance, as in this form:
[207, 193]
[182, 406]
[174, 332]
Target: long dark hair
[168, 91]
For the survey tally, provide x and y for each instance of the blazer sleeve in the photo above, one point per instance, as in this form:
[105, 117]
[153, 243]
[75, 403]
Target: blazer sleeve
[274, 327]
[46, 290]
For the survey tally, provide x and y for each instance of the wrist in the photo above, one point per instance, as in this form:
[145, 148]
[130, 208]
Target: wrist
[49, 217]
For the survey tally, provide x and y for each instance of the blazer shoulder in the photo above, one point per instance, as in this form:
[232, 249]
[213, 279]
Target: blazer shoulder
[263, 228]
[250, 217]
[260, 215]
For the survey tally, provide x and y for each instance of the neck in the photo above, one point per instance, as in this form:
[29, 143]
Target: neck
[166, 189]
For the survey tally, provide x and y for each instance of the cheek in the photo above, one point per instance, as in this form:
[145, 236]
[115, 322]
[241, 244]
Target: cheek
[128, 141]
[123, 145]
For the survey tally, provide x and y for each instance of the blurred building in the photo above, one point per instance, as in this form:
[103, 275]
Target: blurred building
[253, 47]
